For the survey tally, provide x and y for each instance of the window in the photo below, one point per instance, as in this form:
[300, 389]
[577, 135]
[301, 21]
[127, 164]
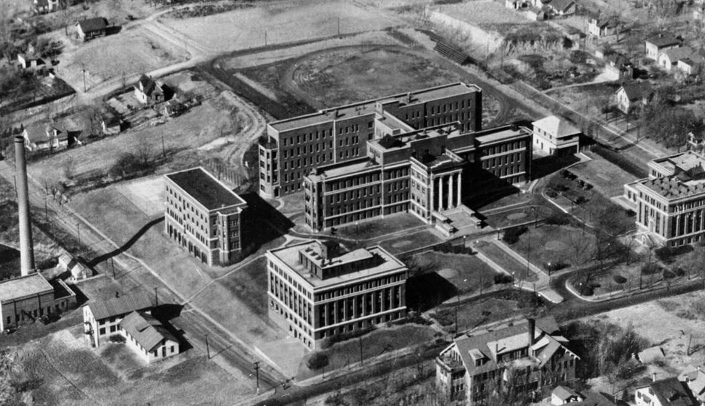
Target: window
[101, 331]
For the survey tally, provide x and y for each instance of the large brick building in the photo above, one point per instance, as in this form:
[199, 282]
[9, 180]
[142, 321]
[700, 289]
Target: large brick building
[416, 171]
[670, 203]
[526, 355]
[318, 289]
[204, 216]
[27, 298]
[295, 146]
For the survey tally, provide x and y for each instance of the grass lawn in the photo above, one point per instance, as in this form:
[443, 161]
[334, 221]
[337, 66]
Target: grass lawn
[556, 244]
[410, 242]
[486, 310]
[373, 228]
[466, 272]
[606, 177]
[506, 262]
[374, 344]
[61, 369]
[250, 285]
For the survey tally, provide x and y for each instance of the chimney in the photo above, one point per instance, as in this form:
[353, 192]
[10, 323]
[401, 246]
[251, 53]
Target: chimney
[653, 376]
[26, 246]
[117, 294]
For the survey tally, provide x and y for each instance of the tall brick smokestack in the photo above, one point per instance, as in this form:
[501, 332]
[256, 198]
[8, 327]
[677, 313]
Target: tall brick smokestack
[26, 245]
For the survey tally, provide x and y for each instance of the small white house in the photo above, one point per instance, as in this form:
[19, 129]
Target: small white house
[562, 395]
[555, 136]
[664, 392]
[148, 337]
[101, 318]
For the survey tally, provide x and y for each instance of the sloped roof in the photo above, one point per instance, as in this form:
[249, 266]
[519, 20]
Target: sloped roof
[121, 305]
[676, 54]
[556, 126]
[562, 5]
[492, 343]
[650, 355]
[595, 399]
[663, 40]
[637, 90]
[564, 393]
[671, 392]
[37, 132]
[146, 330]
[93, 24]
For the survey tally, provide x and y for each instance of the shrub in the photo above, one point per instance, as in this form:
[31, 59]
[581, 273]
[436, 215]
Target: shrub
[650, 269]
[619, 279]
[501, 278]
[667, 253]
[317, 361]
[621, 161]
[117, 338]
[512, 235]
[551, 193]
[558, 219]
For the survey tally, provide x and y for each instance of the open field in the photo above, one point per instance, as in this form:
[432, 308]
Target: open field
[201, 125]
[61, 369]
[124, 54]
[485, 13]
[278, 22]
[467, 273]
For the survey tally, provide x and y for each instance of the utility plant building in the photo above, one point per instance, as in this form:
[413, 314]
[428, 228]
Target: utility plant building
[318, 289]
[340, 134]
[204, 216]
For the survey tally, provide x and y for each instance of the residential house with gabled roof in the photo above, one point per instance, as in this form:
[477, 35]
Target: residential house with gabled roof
[669, 58]
[101, 318]
[91, 28]
[664, 392]
[632, 95]
[149, 91]
[42, 137]
[562, 395]
[527, 355]
[563, 7]
[46, 6]
[602, 26]
[694, 378]
[148, 337]
[31, 62]
[595, 399]
[658, 43]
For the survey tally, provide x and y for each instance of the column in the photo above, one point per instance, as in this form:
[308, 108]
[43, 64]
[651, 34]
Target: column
[354, 303]
[324, 309]
[450, 191]
[391, 297]
[678, 225]
[432, 200]
[460, 191]
[335, 312]
[440, 194]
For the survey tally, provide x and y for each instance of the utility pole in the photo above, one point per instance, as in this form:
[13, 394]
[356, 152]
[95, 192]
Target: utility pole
[78, 231]
[46, 210]
[338, 26]
[256, 364]
[83, 69]
[156, 298]
[163, 150]
[265, 37]
[208, 349]
[112, 263]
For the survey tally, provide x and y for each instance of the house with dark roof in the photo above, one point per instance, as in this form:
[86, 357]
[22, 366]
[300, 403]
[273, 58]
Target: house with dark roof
[528, 353]
[148, 337]
[101, 318]
[656, 44]
[602, 26]
[149, 91]
[52, 137]
[563, 7]
[91, 28]
[664, 392]
[595, 399]
[632, 95]
[669, 58]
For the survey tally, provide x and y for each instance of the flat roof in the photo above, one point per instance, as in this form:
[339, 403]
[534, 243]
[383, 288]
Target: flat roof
[353, 167]
[205, 188]
[290, 257]
[30, 285]
[368, 106]
[672, 188]
[500, 134]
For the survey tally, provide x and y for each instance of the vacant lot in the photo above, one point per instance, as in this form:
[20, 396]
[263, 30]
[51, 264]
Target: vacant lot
[278, 22]
[179, 137]
[61, 369]
[121, 55]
